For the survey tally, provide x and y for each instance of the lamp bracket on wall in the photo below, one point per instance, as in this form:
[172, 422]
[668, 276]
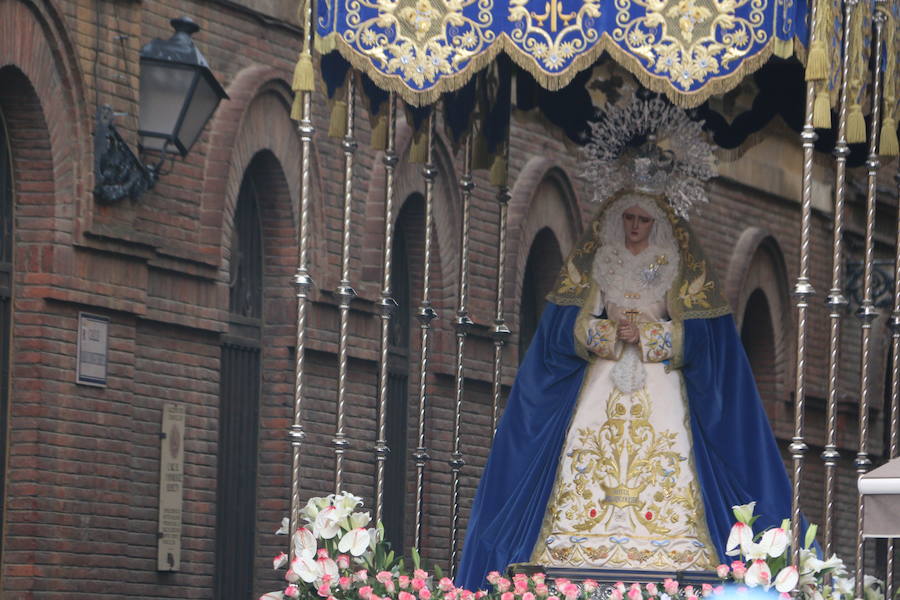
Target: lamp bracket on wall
[118, 172]
[882, 282]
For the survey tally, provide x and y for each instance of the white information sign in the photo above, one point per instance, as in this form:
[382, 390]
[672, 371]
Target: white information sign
[93, 337]
[171, 466]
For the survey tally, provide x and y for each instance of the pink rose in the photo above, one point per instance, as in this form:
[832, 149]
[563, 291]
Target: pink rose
[365, 592]
[569, 590]
[420, 574]
[615, 594]
[384, 576]
[324, 590]
[361, 575]
[292, 591]
[528, 596]
[344, 582]
[635, 594]
[520, 586]
[480, 594]
[403, 581]
[707, 589]
[538, 578]
[651, 589]
[374, 597]
[589, 585]
[553, 598]
[507, 596]
[692, 597]
[560, 582]
[322, 553]
[688, 590]
[466, 594]
[620, 586]
[722, 571]
[445, 584]
[670, 586]
[424, 594]
[738, 570]
[493, 577]
[406, 596]
[542, 590]
[343, 561]
[450, 596]
[418, 584]
[389, 587]
[503, 584]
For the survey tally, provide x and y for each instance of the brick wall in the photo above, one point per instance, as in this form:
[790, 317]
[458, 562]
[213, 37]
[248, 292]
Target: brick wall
[82, 478]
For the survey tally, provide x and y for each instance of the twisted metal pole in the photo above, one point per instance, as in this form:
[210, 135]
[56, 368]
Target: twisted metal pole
[426, 315]
[803, 290]
[387, 304]
[895, 385]
[837, 302]
[344, 292]
[463, 325]
[867, 312]
[302, 280]
[500, 332]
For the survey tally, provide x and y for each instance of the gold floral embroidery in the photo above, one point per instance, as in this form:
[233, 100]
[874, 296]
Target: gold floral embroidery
[688, 40]
[694, 292]
[656, 341]
[543, 38]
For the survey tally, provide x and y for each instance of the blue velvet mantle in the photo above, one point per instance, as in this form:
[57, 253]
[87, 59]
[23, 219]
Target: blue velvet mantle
[735, 452]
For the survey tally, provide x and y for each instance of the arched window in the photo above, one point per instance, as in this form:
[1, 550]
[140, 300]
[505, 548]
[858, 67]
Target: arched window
[758, 337]
[6, 283]
[239, 401]
[409, 223]
[541, 269]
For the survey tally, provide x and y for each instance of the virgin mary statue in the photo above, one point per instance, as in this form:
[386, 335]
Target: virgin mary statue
[634, 424]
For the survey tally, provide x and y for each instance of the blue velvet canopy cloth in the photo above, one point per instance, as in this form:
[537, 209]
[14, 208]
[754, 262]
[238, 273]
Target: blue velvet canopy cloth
[735, 453]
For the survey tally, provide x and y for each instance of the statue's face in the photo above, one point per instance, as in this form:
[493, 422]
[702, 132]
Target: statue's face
[637, 223]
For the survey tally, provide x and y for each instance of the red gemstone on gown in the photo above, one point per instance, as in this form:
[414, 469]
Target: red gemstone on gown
[648, 515]
[593, 512]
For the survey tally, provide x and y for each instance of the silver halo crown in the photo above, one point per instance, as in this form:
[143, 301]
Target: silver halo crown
[674, 158]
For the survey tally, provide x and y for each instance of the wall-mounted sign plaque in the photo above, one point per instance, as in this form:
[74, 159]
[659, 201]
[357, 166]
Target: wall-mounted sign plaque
[171, 470]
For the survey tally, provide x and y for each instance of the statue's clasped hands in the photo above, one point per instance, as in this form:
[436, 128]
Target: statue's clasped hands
[627, 331]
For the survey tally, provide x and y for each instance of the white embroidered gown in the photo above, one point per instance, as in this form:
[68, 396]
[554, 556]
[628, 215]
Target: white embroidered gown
[626, 494]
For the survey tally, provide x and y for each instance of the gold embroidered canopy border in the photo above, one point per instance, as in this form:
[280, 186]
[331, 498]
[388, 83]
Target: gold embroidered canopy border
[687, 49]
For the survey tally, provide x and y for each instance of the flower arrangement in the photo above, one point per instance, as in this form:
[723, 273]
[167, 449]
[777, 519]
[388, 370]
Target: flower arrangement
[337, 555]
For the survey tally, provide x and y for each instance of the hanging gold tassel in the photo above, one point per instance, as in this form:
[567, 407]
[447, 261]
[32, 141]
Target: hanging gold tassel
[304, 77]
[297, 107]
[888, 145]
[499, 170]
[817, 62]
[418, 150]
[337, 126]
[822, 109]
[379, 132]
[856, 125]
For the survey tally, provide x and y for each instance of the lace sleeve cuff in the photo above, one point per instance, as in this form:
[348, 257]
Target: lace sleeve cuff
[661, 341]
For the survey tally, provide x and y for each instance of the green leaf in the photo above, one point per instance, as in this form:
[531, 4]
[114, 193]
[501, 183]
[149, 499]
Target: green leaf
[389, 560]
[810, 535]
[438, 572]
[417, 560]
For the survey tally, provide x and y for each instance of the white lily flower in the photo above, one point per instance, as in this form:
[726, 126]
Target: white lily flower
[843, 586]
[327, 523]
[327, 566]
[283, 530]
[305, 568]
[304, 543]
[740, 535]
[758, 574]
[753, 551]
[374, 537]
[279, 561]
[787, 579]
[744, 512]
[359, 519]
[345, 504]
[354, 541]
[774, 541]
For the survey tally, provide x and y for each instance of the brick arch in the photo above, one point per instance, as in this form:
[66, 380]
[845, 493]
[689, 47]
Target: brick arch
[542, 197]
[34, 42]
[257, 118]
[408, 180]
[757, 280]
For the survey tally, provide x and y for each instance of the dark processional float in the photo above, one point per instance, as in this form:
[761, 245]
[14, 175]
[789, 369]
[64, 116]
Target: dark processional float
[635, 317]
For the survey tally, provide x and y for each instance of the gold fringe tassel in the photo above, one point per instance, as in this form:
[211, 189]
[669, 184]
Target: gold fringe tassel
[379, 132]
[817, 62]
[304, 77]
[888, 145]
[337, 126]
[418, 150]
[856, 125]
[822, 109]
[499, 170]
[297, 107]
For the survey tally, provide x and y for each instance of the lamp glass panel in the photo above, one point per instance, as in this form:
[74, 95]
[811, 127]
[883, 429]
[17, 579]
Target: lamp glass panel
[202, 105]
[164, 88]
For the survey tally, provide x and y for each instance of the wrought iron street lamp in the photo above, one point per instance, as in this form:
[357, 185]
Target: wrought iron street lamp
[178, 96]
